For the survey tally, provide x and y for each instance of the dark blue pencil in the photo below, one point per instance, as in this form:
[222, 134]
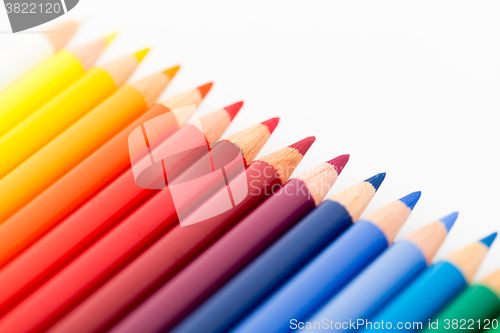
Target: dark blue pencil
[281, 260]
[331, 269]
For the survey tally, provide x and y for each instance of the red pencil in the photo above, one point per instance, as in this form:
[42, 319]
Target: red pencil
[79, 230]
[180, 245]
[100, 262]
[232, 251]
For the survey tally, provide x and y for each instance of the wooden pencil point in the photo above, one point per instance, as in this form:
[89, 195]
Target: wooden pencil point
[89, 53]
[121, 69]
[250, 140]
[192, 96]
[213, 125]
[284, 161]
[492, 281]
[469, 258]
[60, 35]
[151, 87]
[390, 218]
[429, 239]
[356, 198]
[319, 180]
[183, 114]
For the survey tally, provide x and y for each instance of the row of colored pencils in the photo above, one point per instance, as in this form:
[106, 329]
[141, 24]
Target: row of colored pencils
[89, 244]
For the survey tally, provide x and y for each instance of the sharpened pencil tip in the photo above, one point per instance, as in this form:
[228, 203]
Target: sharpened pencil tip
[411, 199]
[204, 89]
[271, 124]
[339, 162]
[141, 54]
[232, 110]
[376, 180]
[449, 220]
[171, 71]
[303, 145]
[488, 240]
[109, 38]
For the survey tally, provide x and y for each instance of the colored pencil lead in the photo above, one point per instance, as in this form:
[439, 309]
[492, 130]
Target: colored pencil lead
[489, 239]
[233, 109]
[142, 53]
[376, 180]
[271, 123]
[204, 89]
[449, 220]
[339, 162]
[411, 199]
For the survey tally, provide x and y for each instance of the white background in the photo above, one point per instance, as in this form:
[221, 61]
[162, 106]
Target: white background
[411, 89]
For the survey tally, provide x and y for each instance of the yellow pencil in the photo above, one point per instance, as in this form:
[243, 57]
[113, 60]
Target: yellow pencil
[79, 140]
[49, 121]
[46, 81]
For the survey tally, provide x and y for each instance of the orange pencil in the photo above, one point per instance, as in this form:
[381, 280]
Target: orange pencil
[78, 141]
[88, 177]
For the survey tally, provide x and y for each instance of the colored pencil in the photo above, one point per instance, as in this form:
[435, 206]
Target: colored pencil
[20, 60]
[178, 247]
[231, 252]
[100, 262]
[283, 259]
[473, 309]
[88, 177]
[78, 141]
[385, 276]
[331, 269]
[47, 81]
[75, 234]
[436, 286]
[53, 118]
